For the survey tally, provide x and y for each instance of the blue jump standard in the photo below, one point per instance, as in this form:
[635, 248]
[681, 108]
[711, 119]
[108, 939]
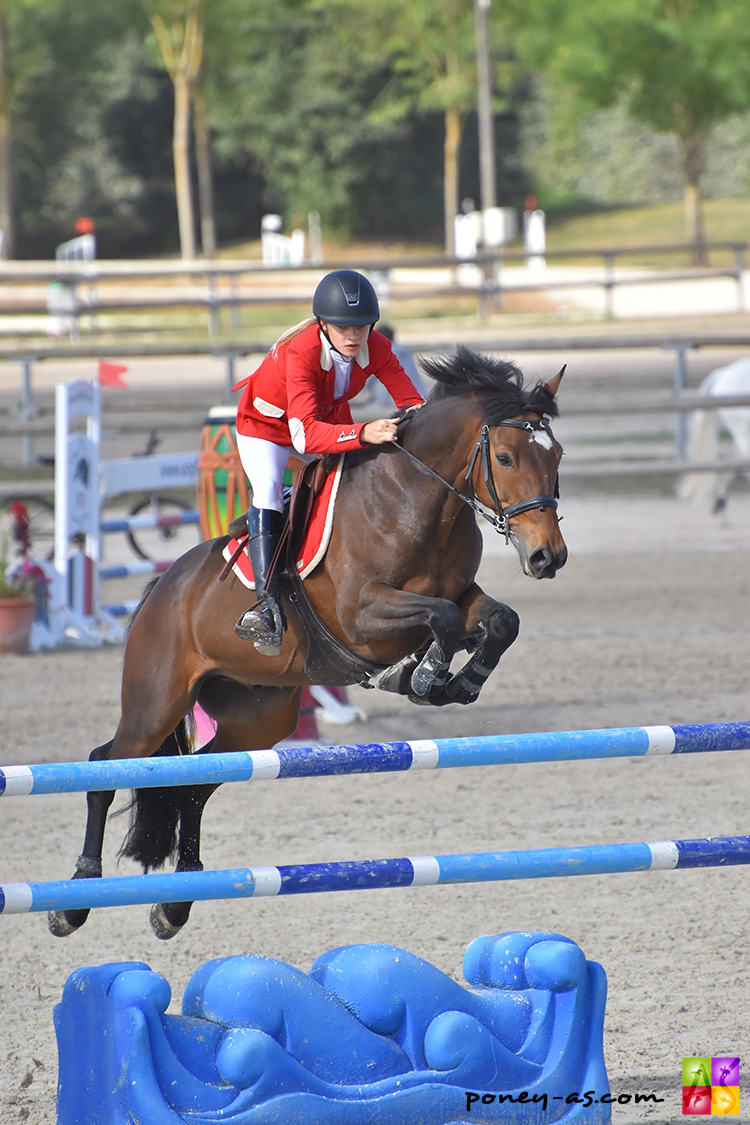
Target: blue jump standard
[383, 757]
[418, 871]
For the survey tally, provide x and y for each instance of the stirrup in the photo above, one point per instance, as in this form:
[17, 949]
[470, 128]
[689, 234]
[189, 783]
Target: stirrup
[263, 625]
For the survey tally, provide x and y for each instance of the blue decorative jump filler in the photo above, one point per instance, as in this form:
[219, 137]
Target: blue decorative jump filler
[372, 1035]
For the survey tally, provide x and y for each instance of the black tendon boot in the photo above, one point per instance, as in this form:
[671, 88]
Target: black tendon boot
[262, 624]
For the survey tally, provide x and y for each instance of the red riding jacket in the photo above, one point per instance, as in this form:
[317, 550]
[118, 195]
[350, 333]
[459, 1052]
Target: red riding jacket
[289, 399]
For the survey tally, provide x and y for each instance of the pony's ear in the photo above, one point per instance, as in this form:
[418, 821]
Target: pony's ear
[554, 384]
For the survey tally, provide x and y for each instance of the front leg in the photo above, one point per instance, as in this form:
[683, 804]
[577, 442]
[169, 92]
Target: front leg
[496, 627]
[384, 617]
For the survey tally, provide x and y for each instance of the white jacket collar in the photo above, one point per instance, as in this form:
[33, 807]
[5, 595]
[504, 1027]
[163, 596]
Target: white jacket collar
[326, 361]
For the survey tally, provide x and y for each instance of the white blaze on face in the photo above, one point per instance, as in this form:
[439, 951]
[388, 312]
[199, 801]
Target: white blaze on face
[543, 438]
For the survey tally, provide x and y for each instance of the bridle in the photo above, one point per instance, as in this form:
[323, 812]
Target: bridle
[501, 517]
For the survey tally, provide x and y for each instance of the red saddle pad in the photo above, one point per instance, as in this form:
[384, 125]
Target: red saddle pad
[317, 536]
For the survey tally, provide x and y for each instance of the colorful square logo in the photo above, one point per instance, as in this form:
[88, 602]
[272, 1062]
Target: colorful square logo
[711, 1085]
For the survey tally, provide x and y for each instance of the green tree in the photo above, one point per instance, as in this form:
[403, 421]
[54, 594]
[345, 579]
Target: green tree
[284, 87]
[678, 66]
[430, 47]
[50, 56]
[22, 55]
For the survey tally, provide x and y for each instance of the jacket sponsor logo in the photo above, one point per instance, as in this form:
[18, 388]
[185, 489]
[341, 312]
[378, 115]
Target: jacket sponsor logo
[268, 409]
[344, 436]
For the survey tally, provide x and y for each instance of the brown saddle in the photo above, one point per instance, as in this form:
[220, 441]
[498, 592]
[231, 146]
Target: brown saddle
[328, 660]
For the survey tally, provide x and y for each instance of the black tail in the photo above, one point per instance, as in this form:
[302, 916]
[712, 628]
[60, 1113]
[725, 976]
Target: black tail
[155, 813]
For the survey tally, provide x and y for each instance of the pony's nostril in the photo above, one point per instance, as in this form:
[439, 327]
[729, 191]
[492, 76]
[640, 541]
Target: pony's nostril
[540, 561]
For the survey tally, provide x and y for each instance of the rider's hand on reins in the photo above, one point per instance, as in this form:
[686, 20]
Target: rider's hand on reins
[379, 432]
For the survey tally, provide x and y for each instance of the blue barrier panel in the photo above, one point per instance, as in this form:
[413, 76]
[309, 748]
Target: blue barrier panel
[383, 757]
[311, 878]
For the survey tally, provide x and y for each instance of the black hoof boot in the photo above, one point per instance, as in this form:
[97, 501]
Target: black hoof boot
[262, 625]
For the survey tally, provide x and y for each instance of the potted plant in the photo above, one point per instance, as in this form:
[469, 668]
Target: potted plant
[18, 589]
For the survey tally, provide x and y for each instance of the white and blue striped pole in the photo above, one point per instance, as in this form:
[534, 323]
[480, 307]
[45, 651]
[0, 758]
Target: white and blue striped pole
[381, 757]
[141, 523]
[419, 871]
[127, 570]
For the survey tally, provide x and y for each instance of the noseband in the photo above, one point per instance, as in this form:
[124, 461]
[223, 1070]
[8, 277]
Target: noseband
[501, 517]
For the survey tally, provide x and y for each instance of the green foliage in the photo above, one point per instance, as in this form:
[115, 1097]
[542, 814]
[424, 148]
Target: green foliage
[429, 45]
[678, 65]
[338, 106]
[299, 98]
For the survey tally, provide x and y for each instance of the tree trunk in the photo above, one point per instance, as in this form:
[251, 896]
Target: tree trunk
[181, 152]
[205, 184]
[450, 177]
[7, 249]
[693, 150]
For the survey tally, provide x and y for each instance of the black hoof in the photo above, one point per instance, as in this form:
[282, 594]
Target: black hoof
[439, 700]
[63, 923]
[168, 918]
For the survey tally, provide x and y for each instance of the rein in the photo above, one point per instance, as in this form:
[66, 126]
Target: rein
[501, 517]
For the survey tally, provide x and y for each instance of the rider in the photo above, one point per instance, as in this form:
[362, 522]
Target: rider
[299, 397]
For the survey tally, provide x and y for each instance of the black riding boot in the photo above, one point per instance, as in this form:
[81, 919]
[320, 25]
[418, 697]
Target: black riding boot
[262, 624]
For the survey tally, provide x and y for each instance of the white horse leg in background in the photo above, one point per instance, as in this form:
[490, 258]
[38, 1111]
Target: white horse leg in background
[704, 428]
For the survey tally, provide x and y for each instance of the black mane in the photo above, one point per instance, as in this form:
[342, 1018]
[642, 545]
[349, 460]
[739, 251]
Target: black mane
[497, 383]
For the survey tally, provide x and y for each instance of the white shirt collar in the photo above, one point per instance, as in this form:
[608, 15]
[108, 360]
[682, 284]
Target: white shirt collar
[326, 359]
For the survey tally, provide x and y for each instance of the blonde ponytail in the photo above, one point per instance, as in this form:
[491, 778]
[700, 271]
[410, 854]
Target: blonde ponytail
[290, 333]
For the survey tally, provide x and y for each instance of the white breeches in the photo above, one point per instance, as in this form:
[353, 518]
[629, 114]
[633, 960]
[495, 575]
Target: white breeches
[264, 463]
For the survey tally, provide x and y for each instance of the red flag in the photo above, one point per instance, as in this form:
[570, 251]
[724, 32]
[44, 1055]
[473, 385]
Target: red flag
[109, 374]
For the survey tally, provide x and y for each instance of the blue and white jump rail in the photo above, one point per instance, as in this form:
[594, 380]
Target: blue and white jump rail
[143, 523]
[147, 566]
[353, 875]
[379, 757]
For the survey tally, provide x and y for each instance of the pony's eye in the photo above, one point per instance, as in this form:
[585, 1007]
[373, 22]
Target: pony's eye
[504, 459]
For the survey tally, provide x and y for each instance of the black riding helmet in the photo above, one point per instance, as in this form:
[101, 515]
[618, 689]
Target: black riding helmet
[345, 298]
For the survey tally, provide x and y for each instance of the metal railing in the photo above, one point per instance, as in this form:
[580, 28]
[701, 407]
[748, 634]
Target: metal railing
[26, 423]
[489, 283]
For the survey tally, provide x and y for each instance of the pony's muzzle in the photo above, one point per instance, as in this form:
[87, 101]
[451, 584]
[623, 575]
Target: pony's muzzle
[545, 563]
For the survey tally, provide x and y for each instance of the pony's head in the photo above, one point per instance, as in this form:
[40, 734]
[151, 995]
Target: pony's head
[515, 470]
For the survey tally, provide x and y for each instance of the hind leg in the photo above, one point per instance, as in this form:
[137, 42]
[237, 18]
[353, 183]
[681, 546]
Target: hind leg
[168, 918]
[140, 733]
[153, 704]
[249, 718]
[89, 864]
